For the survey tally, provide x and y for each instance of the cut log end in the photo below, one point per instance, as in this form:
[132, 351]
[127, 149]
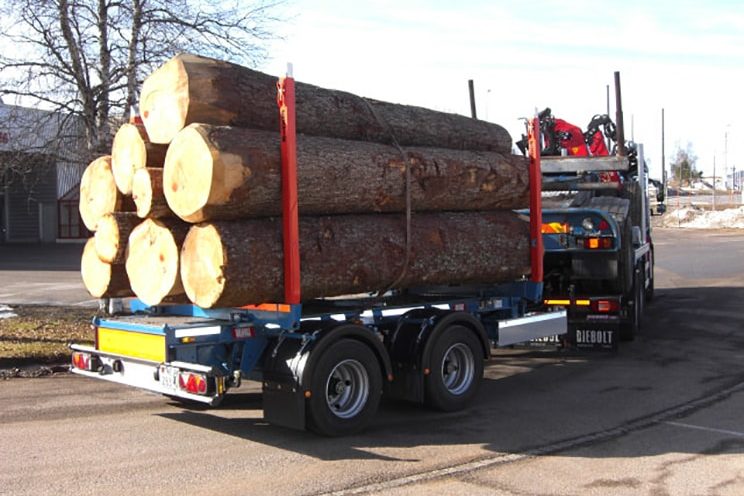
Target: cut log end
[98, 192]
[128, 154]
[107, 239]
[187, 174]
[202, 264]
[112, 234]
[101, 279]
[152, 262]
[142, 192]
[164, 101]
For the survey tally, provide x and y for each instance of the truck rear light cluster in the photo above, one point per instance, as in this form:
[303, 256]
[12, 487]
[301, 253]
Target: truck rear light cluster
[85, 361]
[192, 382]
[597, 243]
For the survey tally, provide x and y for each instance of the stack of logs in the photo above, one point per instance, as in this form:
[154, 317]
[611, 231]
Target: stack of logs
[185, 207]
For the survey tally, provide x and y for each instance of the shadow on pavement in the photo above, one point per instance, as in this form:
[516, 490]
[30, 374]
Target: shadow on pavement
[40, 256]
[531, 399]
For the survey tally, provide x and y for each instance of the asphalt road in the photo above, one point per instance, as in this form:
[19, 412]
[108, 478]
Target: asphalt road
[663, 416]
[42, 274]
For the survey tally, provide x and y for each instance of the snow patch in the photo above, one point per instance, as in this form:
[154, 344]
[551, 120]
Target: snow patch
[6, 312]
[696, 218]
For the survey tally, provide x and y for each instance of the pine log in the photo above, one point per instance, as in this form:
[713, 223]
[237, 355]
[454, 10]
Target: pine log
[147, 193]
[152, 259]
[98, 193]
[220, 172]
[112, 235]
[226, 264]
[189, 88]
[132, 150]
[102, 279]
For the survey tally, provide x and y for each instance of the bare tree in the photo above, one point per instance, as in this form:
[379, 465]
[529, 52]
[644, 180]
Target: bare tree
[684, 167]
[83, 60]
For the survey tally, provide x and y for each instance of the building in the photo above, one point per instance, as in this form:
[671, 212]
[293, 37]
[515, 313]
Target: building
[735, 180]
[40, 170]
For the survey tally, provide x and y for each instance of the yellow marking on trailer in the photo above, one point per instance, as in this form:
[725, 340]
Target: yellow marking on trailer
[583, 303]
[557, 302]
[132, 344]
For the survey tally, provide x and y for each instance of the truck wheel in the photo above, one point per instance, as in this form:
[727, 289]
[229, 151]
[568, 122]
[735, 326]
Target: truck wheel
[456, 369]
[346, 388]
[650, 288]
[630, 327]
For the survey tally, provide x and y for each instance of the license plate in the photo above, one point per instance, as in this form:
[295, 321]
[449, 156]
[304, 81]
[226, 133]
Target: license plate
[168, 377]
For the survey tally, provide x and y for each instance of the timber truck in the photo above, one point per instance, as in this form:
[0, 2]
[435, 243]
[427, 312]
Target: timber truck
[599, 252]
[324, 364]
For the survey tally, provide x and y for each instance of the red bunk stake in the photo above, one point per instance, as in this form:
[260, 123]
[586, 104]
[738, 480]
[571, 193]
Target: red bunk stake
[290, 213]
[536, 240]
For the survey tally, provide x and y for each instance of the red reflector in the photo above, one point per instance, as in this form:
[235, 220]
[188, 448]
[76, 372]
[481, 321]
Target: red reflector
[243, 332]
[192, 383]
[603, 225]
[606, 242]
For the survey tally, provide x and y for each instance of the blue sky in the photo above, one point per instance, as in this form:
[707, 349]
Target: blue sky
[684, 56]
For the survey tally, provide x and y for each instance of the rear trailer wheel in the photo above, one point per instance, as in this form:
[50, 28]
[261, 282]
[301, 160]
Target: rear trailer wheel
[346, 388]
[456, 369]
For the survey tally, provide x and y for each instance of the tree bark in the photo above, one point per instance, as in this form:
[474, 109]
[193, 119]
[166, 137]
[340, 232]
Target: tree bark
[112, 235]
[189, 88]
[132, 151]
[152, 259]
[102, 279]
[147, 192]
[226, 264]
[99, 195]
[227, 173]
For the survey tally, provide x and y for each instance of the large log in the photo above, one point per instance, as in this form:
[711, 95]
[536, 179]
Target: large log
[147, 193]
[98, 193]
[220, 172]
[102, 279]
[225, 264]
[112, 235]
[152, 259]
[189, 88]
[131, 151]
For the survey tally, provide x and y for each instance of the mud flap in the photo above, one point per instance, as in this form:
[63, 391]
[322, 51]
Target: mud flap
[283, 403]
[283, 398]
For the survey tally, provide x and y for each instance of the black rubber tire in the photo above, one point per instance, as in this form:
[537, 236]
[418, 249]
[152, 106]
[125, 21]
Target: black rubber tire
[625, 260]
[650, 288]
[456, 340]
[630, 327]
[650, 291]
[321, 419]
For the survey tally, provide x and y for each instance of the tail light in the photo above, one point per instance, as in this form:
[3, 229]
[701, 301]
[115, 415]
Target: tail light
[604, 243]
[605, 306]
[85, 361]
[192, 382]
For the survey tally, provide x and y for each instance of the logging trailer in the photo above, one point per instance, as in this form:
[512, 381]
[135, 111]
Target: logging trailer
[324, 364]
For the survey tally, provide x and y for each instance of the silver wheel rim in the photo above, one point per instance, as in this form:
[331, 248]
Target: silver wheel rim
[458, 368]
[347, 389]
